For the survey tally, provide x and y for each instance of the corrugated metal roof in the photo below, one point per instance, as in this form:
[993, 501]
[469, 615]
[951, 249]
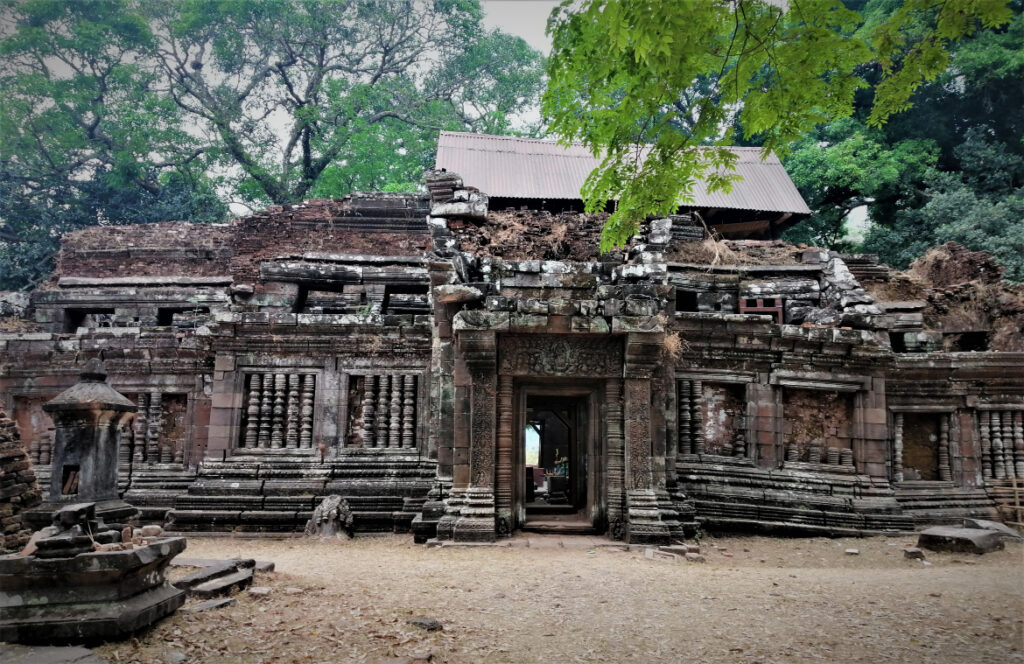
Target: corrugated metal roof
[513, 167]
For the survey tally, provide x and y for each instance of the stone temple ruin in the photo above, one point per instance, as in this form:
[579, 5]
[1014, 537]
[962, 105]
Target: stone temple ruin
[466, 363]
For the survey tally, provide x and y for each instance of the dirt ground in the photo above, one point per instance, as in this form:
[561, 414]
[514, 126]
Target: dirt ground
[565, 600]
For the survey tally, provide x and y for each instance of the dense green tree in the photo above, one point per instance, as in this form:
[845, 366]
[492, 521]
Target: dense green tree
[107, 103]
[957, 148]
[619, 68]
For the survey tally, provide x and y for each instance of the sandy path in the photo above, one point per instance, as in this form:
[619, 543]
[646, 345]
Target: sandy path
[755, 600]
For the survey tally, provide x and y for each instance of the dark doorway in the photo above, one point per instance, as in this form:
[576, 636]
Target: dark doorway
[554, 456]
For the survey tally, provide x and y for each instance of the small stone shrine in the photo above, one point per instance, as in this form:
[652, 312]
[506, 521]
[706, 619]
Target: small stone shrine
[88, 418]
[83, 584]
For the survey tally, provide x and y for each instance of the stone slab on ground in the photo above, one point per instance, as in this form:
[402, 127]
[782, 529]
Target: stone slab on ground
[960, 540]
[984, 524]
[15, 654]
[209, 604]
[260, 565]
[218, 569]
[223, 585]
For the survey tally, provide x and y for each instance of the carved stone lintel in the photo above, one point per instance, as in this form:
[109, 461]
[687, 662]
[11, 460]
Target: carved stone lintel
[555, 355]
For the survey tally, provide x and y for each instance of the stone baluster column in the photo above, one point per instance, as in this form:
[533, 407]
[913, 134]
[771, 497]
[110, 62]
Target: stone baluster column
[685, 433]
[504, 471]
[945, 473]
[986, 444]
[306, 426]
[369, 432]
[1018, 443]
[897, 447]
[141, 426]
[252, 412]
[291, 435]
[383, 409]
[998, 465]
[277, 424]
[409, 411]
[1007, 436]
[395, 412]
[697, 415]
[154, 423]
[266, 410]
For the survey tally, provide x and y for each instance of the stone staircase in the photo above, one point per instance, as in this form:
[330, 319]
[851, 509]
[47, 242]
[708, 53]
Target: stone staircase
[935, 503]
[277, 491]
[732, 495]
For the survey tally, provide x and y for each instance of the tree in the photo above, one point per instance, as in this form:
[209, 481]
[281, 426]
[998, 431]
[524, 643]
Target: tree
[83, 139]
[619, 67]
[286, 91]
[957, 149]
[107, 102]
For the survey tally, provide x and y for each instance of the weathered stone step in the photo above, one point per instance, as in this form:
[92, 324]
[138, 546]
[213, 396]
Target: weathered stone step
[559, 527]
[223, 585]
[260, 565]
[213, 571]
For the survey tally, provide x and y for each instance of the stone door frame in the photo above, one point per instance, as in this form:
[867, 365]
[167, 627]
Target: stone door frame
[592, 435]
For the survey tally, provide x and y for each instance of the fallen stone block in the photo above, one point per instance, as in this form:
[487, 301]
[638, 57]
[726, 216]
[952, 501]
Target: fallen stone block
[960, 540]
[913, 553]
[429, 624]
[983, 524]
[209, 604]
[223, 585]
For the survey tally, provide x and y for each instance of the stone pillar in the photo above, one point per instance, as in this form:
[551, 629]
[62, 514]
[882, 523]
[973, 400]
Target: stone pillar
[88, 417]
[479, 353]
[643, 524]
[616, 459]
[504, 473]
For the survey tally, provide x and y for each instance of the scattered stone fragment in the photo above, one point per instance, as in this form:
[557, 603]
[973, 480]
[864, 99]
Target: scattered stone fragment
[209, 604]
[175, 657]
[18, 654]
[960, 540]
[913, 553]
[259, 591]
[984, 524]
[852, 552]
[429, 624]
[292, 591]
[694, 558]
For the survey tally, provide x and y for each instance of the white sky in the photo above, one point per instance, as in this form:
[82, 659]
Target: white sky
[524, 18]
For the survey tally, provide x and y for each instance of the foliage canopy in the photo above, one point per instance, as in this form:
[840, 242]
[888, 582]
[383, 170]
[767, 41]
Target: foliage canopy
[618, 69]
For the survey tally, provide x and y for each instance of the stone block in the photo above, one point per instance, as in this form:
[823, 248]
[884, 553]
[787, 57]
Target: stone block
[960, 540]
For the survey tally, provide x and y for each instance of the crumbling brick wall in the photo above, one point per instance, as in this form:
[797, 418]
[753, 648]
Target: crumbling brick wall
[813, 416]
[19, 490]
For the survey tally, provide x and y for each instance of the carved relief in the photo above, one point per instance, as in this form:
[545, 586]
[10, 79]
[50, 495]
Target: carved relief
[482, 428]
[550, 355]
[638, 433]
